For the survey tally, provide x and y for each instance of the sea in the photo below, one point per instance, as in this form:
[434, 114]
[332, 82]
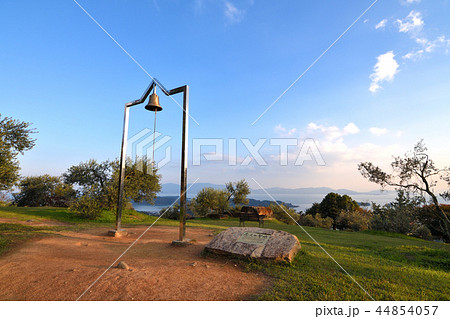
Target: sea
[300, 201]
[305, 201]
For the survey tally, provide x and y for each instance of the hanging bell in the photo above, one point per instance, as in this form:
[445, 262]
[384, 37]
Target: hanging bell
[153, 103]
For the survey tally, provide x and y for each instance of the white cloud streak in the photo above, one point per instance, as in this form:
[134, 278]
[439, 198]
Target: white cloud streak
[232, 14]
[427, 46]
[381, 24]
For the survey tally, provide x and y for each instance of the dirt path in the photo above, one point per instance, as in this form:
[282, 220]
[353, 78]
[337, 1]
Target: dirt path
[63, 267]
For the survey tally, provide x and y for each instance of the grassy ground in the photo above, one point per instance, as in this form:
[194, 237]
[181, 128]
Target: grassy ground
[387, 266]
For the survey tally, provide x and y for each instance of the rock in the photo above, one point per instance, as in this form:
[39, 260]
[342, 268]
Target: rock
[123, 265]
[193, 264]
[259, 243]
[117, 233]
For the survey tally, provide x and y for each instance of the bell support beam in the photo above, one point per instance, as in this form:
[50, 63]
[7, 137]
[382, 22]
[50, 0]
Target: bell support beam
[184, 150]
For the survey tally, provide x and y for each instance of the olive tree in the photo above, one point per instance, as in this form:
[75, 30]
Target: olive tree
[414, 172]
[209, 200]
[15, 139]
[43, 190]
[142, 182]
[238, 191]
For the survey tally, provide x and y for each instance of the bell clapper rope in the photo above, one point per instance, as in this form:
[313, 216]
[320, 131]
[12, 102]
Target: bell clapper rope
[154, 136]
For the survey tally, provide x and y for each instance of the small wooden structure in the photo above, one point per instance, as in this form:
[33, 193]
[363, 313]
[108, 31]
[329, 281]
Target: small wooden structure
[255, 213]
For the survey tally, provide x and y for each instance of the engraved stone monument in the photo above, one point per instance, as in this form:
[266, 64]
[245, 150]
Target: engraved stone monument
[256, 243]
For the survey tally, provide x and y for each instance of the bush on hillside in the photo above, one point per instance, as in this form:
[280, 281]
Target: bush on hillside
[332, 205]
[171, 212]
[422, 232]
[430, 217]
[315, 221]
[399, 216]
[356, 220]
[284, 214]
[44, 190]
[88, 206]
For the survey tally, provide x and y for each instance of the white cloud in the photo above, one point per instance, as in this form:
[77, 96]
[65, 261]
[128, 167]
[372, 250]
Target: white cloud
[408, 2]
[378, 131]
[232, 14]
[422, 41]
[384, 70]
[281, 130]
[413, 23]
[413, 55]
[331, 143]
[333, 133]
[351, 128]
[381, 24]
[427, 46]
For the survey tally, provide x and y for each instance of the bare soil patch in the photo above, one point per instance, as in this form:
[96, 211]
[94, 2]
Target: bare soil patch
[62, 268]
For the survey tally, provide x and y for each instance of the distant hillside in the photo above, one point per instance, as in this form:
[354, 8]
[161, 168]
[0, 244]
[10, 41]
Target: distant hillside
[174, 189]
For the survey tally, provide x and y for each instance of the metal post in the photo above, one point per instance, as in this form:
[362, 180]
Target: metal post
[123, 156]
[184, 150]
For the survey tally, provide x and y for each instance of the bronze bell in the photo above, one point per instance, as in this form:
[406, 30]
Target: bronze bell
[153, 103]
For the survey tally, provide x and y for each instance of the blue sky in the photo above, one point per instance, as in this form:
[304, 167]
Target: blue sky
[383, 86]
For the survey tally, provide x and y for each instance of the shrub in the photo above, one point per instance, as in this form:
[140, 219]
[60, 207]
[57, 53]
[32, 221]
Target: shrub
[398, 216]
[430, 217]
[356, 220]
[315, 221]
[44, 190]
[331, 206]
[280, 212]
[326, 222]
[171, 212]
[307, 220]
[422, 232]
[88, 206]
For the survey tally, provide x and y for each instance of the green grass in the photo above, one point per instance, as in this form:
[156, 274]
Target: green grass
[108, 218]
[387, 266]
